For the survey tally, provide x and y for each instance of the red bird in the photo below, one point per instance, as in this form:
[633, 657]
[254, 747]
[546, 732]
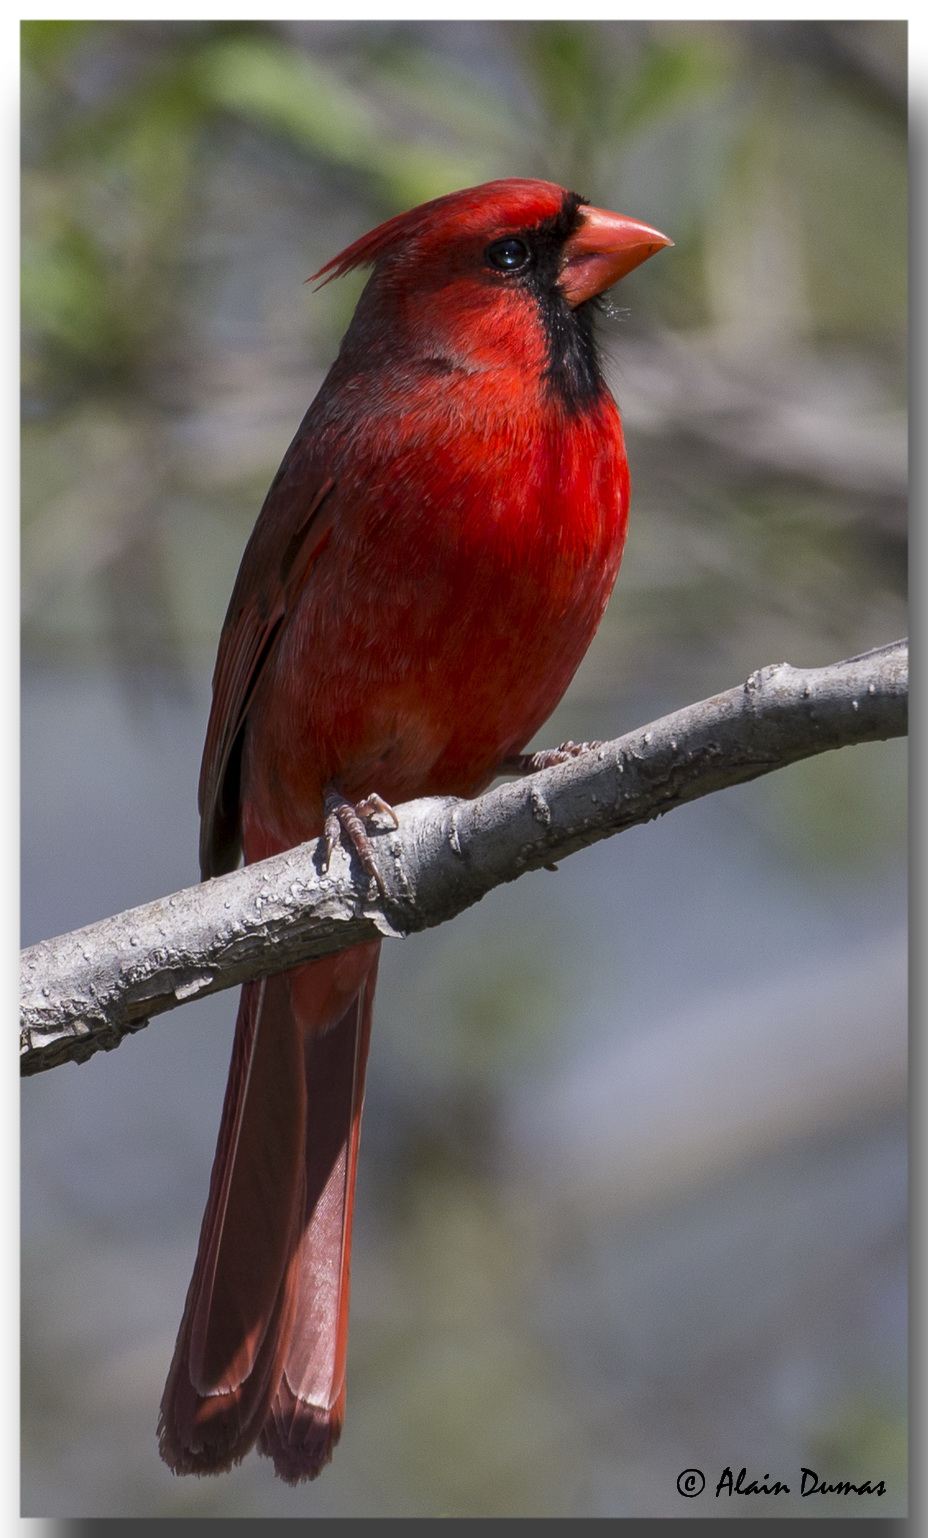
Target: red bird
[431, 563]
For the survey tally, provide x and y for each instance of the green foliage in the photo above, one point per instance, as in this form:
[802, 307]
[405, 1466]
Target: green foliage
[45, 42]
[300, 98]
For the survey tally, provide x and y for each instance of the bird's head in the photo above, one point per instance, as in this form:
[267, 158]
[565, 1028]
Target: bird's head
[494, 276]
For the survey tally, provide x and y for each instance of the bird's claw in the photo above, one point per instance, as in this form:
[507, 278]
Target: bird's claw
[547, 758]
[343, 817]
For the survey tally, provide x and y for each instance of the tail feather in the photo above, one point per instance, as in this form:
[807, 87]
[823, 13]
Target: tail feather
[261, 1347]
[306, 1413]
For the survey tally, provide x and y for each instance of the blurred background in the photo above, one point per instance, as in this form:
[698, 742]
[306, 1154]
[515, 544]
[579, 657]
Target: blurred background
[632, 1191]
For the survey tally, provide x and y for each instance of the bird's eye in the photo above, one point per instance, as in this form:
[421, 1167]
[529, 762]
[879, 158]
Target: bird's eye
[510, 255]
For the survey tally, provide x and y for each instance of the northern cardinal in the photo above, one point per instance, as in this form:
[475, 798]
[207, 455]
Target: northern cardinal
[431, 563]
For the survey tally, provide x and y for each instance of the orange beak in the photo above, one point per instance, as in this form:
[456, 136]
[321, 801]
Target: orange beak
[602, 251]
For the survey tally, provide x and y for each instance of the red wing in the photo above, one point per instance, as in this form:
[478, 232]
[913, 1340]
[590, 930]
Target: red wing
[287, 537]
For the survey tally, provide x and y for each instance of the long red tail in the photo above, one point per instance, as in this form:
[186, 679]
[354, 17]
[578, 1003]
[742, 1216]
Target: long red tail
[261, 1349]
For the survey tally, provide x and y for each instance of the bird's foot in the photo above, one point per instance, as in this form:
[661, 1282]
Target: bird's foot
[348, 818]
[548, 758]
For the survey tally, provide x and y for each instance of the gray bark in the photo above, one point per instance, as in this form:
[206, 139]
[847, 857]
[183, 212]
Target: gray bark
[85, 991]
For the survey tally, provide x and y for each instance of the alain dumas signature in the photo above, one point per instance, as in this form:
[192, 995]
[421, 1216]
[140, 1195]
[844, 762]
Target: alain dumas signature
[692, 1482]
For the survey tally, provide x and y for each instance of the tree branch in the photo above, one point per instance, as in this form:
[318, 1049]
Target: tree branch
[84, 991]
